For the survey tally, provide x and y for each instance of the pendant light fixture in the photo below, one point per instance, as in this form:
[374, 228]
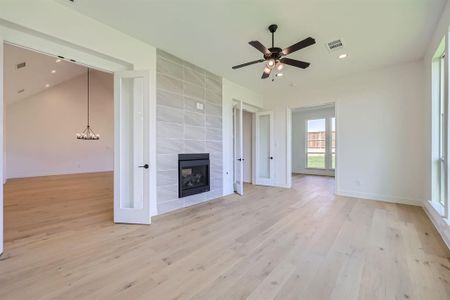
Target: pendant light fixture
[88, 133]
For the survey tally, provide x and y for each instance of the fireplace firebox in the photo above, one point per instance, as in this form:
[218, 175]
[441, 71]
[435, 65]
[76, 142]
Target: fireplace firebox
[193, 174]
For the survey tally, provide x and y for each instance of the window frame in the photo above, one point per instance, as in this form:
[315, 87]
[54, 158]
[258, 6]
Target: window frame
[440, 131]
[328, 144]
[443, 133]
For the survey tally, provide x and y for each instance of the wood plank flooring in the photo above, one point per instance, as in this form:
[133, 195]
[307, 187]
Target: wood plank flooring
[272, 243]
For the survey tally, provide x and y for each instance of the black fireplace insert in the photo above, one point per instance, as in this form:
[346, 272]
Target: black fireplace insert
[193, 174]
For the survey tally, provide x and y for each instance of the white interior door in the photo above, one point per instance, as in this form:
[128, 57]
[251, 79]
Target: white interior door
[264, 148]
[132, 157]
[238, 149]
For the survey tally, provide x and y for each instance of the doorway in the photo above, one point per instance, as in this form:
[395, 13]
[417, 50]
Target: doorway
[313, 136]
[243, 139]
[54, 173]
[252, 146]
[134, 119]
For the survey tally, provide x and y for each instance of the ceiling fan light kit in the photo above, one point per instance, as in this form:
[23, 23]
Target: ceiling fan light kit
[274, 56]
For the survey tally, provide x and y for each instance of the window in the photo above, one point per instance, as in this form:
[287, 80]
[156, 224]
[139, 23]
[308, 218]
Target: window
[442, 132]
[316, 142]
[321, 143]
[333, 143]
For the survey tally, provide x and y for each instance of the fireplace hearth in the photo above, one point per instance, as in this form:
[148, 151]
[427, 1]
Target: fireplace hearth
[193, 174]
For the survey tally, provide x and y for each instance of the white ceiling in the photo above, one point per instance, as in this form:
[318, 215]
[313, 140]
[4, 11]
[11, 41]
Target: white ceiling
[214, 33]
[36, 74]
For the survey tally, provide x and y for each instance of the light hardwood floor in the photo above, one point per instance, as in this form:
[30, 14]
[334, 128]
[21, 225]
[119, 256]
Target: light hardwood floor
[273, 243]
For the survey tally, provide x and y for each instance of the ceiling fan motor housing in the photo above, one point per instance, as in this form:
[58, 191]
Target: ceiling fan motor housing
[275, 53]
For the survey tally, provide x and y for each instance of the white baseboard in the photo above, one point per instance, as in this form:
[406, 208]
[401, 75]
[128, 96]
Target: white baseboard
[440, 223]
[378, 197]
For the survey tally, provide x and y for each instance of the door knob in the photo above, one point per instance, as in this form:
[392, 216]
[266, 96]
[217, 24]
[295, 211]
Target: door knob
[144, 166]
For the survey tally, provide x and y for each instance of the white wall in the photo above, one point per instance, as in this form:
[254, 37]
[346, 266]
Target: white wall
[380, 134]
[232, 91]
[40, 130]
[247, 119]
[299, 119]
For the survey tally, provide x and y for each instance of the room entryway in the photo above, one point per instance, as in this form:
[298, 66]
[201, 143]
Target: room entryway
[49, 126]
[58, 141]
[252, 146]
[314, 140]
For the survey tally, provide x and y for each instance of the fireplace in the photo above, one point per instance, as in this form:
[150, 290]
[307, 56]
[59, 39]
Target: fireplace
[193, 174]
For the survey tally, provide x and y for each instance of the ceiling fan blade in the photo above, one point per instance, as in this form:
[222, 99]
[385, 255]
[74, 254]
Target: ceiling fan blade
[300, 45]
[295, 63]
[260, 47]
[248, 64]
[265, 75]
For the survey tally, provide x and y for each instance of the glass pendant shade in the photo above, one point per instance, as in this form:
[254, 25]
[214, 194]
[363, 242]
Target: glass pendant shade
[88, 133]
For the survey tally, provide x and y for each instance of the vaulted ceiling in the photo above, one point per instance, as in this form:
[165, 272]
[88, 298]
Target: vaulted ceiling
[36, 75]
[215, 34]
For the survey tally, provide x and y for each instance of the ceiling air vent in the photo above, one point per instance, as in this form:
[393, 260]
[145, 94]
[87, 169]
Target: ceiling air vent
[335, 45]
[21, 65]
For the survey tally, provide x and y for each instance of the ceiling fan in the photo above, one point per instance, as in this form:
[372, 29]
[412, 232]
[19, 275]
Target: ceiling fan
[274, 56]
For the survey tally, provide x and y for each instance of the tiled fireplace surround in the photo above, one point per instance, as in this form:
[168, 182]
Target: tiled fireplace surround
[184, 127]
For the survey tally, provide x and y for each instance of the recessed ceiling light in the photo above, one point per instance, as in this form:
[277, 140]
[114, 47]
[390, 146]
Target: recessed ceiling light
[53, 71]
[279, 74]
[47, 85]
[342, 56]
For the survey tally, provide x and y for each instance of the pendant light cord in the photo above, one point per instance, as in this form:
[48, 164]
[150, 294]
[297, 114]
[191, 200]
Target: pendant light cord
[88, 97]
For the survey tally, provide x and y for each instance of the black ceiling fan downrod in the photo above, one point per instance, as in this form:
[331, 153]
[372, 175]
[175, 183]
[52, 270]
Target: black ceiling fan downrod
[273, 28]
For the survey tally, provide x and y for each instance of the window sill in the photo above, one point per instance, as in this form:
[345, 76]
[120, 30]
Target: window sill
[442, 224]
[439, 209]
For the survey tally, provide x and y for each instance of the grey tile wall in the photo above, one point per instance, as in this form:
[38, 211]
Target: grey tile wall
[183, 128]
